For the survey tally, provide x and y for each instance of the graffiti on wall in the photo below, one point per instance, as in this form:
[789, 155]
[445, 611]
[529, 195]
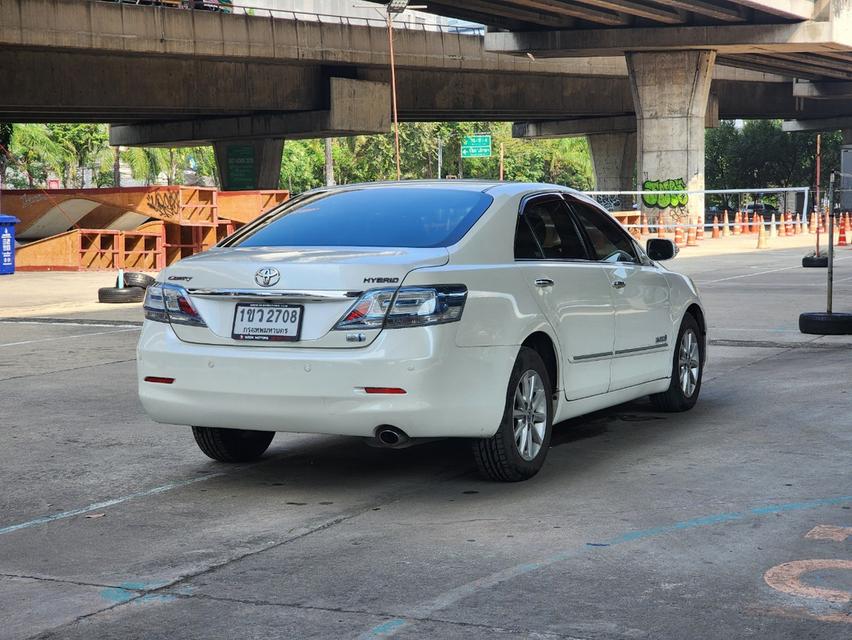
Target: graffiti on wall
[166, 203]
[664, 200]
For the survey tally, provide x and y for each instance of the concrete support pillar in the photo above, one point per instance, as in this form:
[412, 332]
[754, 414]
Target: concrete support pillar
[614, 163]
[670, 92]
[249, 164]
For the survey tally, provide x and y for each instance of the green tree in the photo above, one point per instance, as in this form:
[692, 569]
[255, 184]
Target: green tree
[36, 153]
[84, 146]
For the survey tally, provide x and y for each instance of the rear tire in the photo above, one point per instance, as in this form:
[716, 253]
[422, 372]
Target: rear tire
[232, 445]
[134, 279]
[826, 324]
[116, 295]
[685, 385]
[814, 261]
[518, 449]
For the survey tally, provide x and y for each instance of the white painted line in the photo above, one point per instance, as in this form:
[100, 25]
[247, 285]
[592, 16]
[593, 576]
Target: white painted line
[77, 335]
[758, 273]
[106, 503]
[64, 323]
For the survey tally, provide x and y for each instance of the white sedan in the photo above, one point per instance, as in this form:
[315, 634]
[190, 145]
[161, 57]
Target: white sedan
[400, 311]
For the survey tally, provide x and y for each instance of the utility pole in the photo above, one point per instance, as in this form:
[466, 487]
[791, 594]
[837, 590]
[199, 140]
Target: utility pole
[818, 163]
[329, 164]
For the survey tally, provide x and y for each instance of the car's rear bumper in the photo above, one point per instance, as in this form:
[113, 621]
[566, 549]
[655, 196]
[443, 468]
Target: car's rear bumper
[450, 391]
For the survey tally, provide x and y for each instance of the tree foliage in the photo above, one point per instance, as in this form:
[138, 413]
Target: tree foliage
[759, 154]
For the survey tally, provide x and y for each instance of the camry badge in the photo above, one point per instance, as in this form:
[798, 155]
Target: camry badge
[267, 276]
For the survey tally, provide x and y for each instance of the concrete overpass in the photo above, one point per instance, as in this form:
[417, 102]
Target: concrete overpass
[171, 77]
[672, 49]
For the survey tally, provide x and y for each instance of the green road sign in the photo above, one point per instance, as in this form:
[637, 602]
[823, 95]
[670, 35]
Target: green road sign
[239, 159]
[476, 146]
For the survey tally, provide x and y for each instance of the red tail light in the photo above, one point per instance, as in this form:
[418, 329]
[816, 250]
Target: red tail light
[159, 380]
[385, 390]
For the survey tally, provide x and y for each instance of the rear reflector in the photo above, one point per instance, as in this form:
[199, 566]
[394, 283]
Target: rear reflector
[159, 380]
[388, 390]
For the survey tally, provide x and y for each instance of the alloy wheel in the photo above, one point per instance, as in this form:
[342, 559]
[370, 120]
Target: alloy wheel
[529, 415]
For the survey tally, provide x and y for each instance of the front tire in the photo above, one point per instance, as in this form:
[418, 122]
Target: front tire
[518, 449]
[687, 370]
[232, 445]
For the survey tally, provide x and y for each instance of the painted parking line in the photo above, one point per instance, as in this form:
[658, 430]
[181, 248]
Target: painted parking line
[392, 626]
[71, 337]
[759, 273]
[62, 515]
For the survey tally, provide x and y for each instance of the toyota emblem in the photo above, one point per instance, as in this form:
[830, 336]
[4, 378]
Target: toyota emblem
[267, 276]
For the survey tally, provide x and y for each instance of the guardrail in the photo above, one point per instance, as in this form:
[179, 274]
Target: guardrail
[400, 22]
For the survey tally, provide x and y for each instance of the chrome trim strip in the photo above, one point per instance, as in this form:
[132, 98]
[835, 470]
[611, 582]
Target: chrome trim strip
[593, 356]
[289, 296]
[622, 352]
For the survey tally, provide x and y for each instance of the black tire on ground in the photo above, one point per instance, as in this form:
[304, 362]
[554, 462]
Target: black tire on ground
[497, 457]
[815, 261]
[232, 445]
[674, 399]
[115, 295]
[134, 279]
[826, 324]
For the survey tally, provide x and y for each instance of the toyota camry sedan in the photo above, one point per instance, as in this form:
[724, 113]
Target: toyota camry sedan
[395, 312]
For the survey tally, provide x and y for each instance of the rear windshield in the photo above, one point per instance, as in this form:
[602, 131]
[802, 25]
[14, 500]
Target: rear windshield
[375, 217]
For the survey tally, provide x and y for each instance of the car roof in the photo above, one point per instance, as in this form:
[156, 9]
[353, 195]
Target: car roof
[491, 186]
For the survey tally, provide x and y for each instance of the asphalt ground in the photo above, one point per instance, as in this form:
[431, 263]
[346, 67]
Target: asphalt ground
[729, 521]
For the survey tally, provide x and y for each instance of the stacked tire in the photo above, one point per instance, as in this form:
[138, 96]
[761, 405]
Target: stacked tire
[133, 290]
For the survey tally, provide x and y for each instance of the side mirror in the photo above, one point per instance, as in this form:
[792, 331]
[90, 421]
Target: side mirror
[661, 249]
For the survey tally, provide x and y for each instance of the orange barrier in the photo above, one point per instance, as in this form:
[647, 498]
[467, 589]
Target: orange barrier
[841, 241]
[699, 232]
[144, 228]
[678, 236]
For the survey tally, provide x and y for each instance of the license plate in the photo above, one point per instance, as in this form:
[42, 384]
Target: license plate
[268, 322]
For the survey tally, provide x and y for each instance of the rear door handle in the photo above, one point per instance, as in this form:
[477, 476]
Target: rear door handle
[619, 284]
[544, 282]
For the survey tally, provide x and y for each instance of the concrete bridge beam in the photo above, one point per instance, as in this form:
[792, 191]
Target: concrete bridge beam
[670, 94]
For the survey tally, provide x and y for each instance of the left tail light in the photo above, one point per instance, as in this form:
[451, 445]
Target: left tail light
[170, 303]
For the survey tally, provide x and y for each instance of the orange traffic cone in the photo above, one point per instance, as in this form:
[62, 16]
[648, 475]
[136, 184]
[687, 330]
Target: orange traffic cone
[726, 229]
[789, 223]
[678, 236]
[691, 236]
[799, 228]
[755, 222]
[699, 232]
[737, 224]
[781, 229]
[773, 227]
[841, 241]
[812, 224]
[716, 232]
[761, 238]
[661, 226]
[643, 224]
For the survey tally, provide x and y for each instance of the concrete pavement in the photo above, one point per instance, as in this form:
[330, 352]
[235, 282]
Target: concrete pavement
[641, 525]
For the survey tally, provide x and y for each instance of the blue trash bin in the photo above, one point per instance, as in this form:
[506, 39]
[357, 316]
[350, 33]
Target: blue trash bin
[7, 244]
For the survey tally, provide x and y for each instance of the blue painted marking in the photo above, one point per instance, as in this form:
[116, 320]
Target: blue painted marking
[130, 590]
[106, 503]
[389, 628]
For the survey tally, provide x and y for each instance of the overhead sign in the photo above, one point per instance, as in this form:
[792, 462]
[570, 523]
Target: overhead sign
[240, 167]
[476, 146]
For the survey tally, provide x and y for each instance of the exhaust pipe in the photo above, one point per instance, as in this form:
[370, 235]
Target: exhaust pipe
[390, 437]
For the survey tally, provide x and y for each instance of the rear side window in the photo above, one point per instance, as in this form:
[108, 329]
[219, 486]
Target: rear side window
[609, 240]
[373, 217]
[546, 230]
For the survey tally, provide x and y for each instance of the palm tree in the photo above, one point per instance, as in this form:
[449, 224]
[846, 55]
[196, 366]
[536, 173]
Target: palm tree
[35, 152]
